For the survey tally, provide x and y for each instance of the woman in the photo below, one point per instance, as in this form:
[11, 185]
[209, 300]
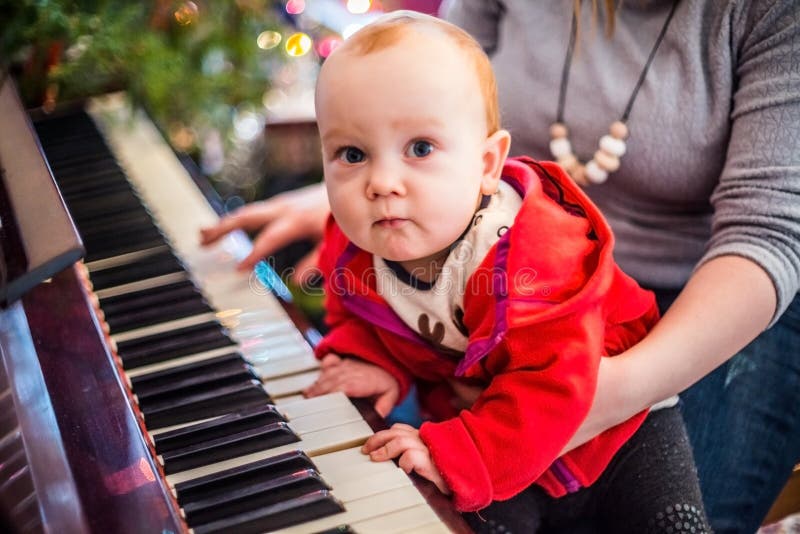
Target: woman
[705, 204]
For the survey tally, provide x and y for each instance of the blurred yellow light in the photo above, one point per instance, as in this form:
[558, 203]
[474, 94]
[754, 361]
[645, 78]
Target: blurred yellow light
[187, 13]
[358, 6]
[268, 39]
[298, 44]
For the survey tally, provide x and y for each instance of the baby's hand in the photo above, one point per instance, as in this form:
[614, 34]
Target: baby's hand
[403, 441]
[356, 378]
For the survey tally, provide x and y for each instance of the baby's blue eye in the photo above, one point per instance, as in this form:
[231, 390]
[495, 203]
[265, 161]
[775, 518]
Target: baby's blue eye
[420, 149]
[352, 154]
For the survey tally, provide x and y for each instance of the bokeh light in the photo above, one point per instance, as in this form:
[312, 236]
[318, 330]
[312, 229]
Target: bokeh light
[268, 39]
[187, 13]
[327, 45]
[295, 7]
[358, 7]
[298, 44]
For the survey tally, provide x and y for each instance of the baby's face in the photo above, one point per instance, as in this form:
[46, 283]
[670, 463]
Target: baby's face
[403, 131]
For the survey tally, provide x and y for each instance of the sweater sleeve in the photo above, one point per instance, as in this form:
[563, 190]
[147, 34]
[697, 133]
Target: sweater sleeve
[543, 382]
[757, 201]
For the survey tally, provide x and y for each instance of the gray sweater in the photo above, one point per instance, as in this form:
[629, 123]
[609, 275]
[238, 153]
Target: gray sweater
[713, 159]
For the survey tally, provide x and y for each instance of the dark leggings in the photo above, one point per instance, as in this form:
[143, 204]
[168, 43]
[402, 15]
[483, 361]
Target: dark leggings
[650, 486]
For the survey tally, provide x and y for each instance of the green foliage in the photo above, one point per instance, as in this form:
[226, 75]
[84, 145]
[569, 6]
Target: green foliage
[187, 63]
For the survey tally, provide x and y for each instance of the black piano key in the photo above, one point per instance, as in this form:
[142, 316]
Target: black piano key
[254, 496]
[154, 265]
[285, 514]
[152, 296]
[142, 384]
[236, 371]
[172, 344]
[153, 315]
[236, 477]
[229, 424]
[209, 402]
[341, 529]
[216, 450]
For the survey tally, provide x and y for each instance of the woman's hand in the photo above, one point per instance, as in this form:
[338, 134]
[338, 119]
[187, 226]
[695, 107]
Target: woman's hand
[282, 219]
[356, 378]
[403, 441]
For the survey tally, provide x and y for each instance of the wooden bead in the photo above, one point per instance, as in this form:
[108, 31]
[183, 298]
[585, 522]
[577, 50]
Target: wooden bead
[612, 145]
[594, 173]
[579, 175]
[619, 130]
[558, 130]
[568, 163]
[560, 147]
[607, 162]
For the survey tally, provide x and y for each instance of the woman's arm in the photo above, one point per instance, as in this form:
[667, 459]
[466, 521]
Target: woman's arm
[727, 302]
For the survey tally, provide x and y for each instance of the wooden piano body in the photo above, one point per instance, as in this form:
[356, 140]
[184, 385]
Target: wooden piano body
[111, 424]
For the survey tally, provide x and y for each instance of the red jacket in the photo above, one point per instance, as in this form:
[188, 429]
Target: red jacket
[546, 303]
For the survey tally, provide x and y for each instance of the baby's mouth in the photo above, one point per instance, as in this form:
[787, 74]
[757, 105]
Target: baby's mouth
[390, 222]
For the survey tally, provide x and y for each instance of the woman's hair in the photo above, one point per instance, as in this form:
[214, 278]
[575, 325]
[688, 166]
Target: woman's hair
[390, 29]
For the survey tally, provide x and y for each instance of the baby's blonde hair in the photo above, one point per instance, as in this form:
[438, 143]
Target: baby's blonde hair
[392, 28]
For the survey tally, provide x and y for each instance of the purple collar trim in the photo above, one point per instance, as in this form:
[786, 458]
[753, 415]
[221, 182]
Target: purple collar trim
[372, 312]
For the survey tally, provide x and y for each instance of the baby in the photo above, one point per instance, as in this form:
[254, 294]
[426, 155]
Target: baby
[487, 282]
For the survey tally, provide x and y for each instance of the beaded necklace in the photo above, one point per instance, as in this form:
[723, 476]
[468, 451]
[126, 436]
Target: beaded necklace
[611, 146]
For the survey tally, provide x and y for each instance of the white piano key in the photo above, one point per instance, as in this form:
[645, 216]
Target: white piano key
[291, 385]
[149, 283]
[434, 527]
[409, 519]
[313, 443]
[124, 259]
[302, 407]
[362, 509]
[321, 420]
[286, 366]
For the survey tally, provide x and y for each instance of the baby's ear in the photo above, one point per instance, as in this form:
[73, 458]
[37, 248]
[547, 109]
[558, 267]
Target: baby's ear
[495, 151]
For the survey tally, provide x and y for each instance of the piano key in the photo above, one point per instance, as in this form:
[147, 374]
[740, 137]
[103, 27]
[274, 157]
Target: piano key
[156, 281]
[181, 341]
[197, 357]
[253, 496]
[151, 315]
[231, 479]
[167, 330]
[215, 428]
[434, 527]
[313, 443]
[156, 265]
[237, 372]
[160, 382]
[214, 402]
[376, 505]
[197, 436]
[406, 520]
[290, 385]
[123, 259]
[264, 437]
[298, 510]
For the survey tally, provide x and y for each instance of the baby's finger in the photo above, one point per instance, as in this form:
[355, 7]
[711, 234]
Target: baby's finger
[384, 403]
[330, 360]
[394, 448]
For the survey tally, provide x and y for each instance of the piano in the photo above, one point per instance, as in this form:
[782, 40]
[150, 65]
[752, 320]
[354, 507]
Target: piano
[152, 388]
